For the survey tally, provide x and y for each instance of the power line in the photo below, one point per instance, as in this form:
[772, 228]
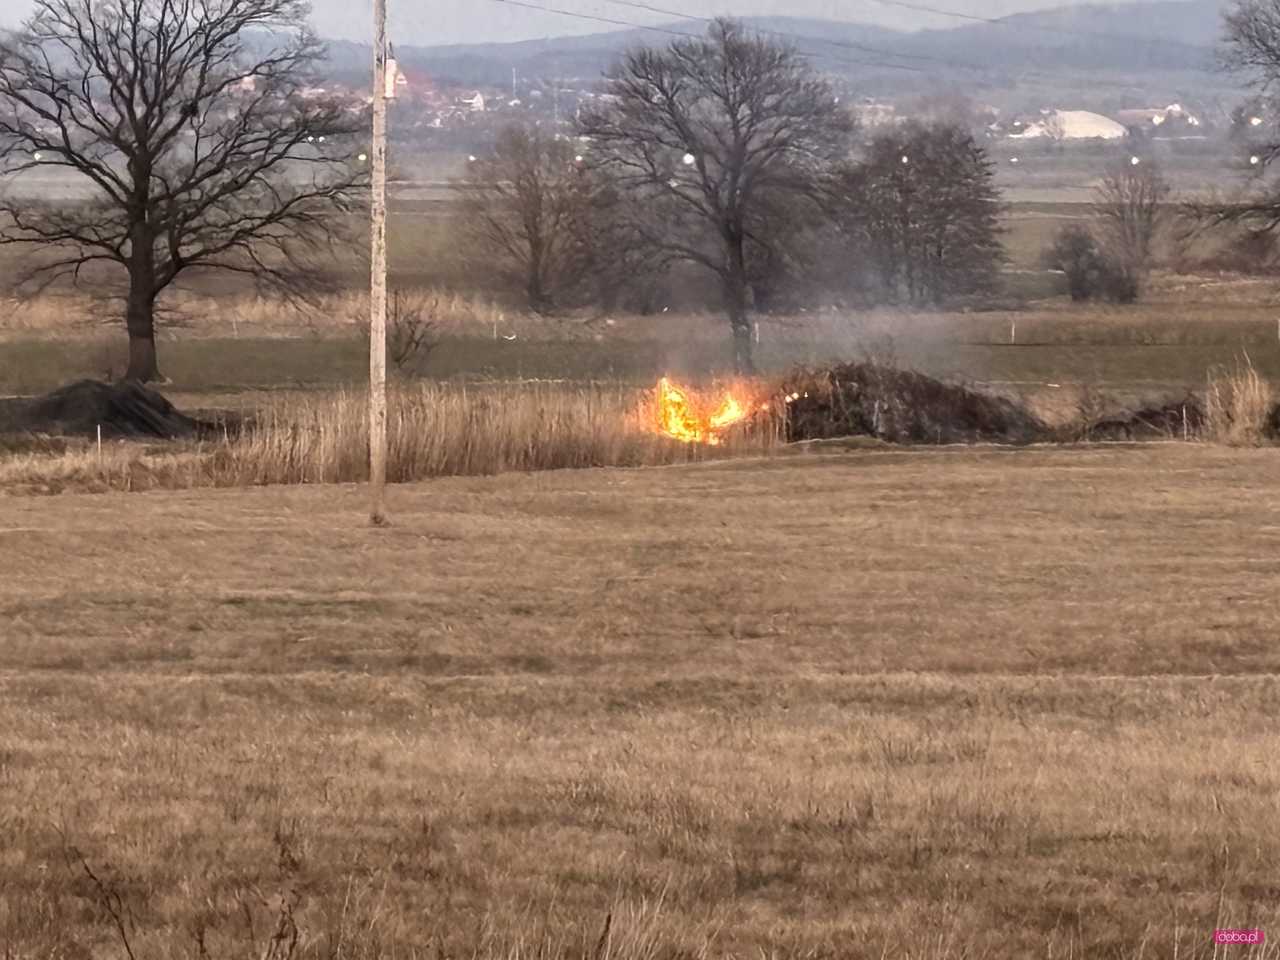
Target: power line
[1015, 25]
[677, 33]
[843, 44]
[922, 8]
[592, 17]
[906, 4]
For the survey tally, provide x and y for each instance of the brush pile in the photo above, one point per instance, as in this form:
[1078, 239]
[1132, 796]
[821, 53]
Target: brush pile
[122, 410]
[900, 406]
[1178, 420]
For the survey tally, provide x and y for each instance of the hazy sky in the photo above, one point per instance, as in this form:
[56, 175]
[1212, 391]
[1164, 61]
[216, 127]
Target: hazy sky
[471, 21]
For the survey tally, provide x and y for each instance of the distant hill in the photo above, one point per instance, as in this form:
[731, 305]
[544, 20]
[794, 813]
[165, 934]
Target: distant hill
[1163, 35]
[1191, 23]
[1167, 36]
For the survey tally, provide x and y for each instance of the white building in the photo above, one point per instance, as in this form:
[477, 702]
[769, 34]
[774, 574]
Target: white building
[1071, 125]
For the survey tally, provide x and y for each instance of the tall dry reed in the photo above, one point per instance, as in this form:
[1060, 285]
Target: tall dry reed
[1238, 405]
[434, 430]
[439, 430]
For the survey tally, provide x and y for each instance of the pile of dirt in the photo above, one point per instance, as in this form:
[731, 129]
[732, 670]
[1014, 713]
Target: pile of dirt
[900, 406]
[1177, 420]
[123, 410]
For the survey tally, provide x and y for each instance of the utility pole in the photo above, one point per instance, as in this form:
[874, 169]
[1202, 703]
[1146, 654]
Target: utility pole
[378, 278]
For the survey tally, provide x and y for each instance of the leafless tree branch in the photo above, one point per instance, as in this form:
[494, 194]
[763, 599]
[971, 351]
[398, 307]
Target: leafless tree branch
[197, 130]
[706, 131]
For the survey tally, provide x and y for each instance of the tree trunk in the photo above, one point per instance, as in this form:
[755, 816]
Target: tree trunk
[536, 296]
[743, 360]
[142, 358]
[735, 302]
[140, 321]
[140, 312]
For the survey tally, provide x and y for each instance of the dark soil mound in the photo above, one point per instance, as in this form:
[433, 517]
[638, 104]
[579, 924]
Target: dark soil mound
[122, 410]
[1172, 421]
[901, 406]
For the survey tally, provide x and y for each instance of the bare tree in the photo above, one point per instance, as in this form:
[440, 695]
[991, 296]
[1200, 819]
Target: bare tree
[1130, 210]
[1251, 42]
[704, 131]
[923, 206]
[522, 205]
[619, 268]
[411, 332]
[192, 125]
[1251, 48]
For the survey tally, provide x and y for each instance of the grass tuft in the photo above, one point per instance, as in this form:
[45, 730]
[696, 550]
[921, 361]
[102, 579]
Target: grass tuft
[1239, 405]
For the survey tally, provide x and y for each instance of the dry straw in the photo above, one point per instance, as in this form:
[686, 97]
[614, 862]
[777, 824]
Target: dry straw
[1238, 405]
[434, 430]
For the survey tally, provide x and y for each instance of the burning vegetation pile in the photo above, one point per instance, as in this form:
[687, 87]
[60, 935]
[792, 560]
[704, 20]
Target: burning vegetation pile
[856, 399]
[905, 407]
[690, 416]
[900, 406]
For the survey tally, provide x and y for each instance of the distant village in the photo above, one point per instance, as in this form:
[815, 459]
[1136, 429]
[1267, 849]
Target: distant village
[425, 108]
[1054, 124]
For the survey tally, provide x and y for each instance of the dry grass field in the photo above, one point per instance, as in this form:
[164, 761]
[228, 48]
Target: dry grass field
[839, 702]
[950, 703]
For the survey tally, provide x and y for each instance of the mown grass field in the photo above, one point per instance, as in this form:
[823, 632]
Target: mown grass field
[952, 703]
[1168, 342]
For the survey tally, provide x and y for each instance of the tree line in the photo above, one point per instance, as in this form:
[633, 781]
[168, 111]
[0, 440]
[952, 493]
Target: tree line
[729, 153]
[195, 128]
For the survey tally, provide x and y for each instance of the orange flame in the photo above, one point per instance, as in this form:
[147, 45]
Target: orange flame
[682, 418]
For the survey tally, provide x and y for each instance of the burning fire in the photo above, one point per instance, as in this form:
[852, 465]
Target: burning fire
[694, 421]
